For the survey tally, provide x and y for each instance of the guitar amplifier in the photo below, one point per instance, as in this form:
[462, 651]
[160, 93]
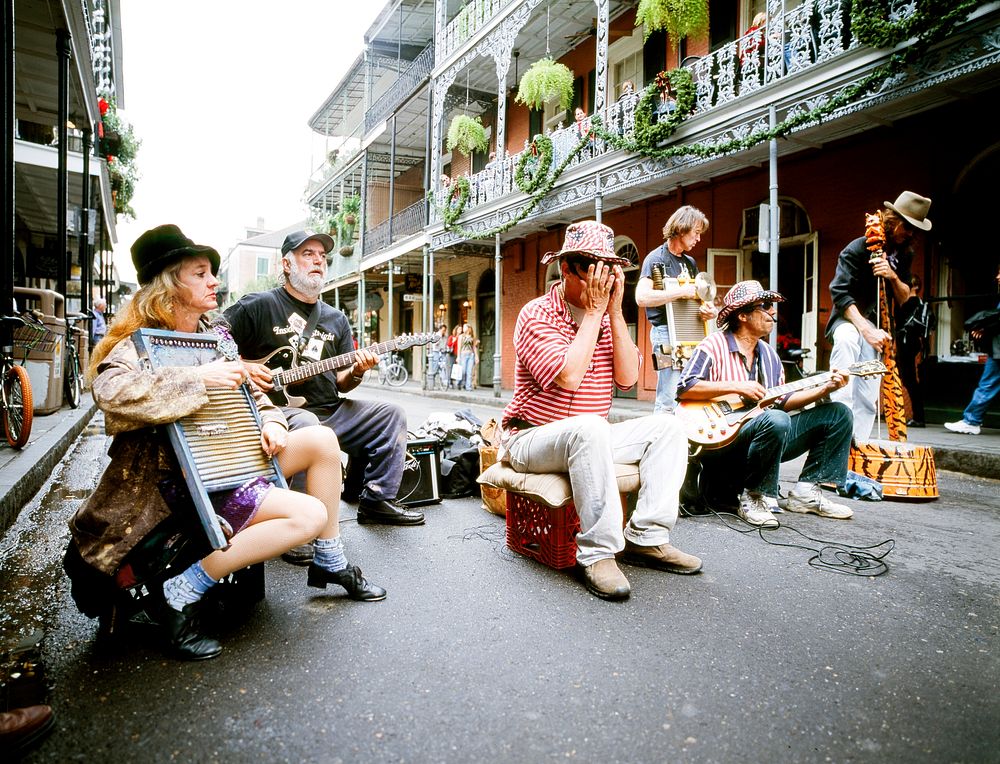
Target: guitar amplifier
[421, 470]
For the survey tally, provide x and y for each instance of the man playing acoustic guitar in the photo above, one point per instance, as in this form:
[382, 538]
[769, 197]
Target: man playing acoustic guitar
[373, 433]
[738, 362]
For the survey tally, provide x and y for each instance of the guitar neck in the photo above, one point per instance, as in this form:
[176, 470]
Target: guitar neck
[800, 384]
[299, 373]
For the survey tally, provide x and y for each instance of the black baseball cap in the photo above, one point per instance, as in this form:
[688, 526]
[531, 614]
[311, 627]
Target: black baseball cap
[296, 239]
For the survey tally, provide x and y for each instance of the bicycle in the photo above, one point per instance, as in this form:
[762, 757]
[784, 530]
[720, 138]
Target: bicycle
[16, 400]
[391, 370]
[72, 376]
[436, 372]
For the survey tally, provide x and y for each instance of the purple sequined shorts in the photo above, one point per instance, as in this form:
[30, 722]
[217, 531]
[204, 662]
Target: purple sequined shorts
[235, 509]
[239, 506]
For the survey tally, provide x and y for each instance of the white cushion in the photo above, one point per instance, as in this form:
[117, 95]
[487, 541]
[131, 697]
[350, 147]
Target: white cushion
[550, 488]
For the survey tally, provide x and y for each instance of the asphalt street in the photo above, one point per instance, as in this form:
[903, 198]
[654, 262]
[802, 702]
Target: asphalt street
[479, 654]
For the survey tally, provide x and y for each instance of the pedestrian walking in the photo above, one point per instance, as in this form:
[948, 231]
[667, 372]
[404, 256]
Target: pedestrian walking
[468, 355]
[989, 382]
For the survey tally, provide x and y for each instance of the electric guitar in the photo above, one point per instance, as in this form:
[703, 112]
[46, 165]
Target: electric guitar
[715, 423]
[285, 369]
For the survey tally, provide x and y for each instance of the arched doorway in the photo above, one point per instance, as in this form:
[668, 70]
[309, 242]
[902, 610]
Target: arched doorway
[486, 315]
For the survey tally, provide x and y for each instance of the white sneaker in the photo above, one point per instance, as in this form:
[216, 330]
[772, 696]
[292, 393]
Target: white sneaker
[753, 509]
[963, 427]
[812, 500]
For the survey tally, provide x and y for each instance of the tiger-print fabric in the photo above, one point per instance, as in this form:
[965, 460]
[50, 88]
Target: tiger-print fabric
[891, 390]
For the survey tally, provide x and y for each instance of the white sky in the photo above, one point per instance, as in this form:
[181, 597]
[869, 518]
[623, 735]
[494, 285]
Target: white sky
[220, 92]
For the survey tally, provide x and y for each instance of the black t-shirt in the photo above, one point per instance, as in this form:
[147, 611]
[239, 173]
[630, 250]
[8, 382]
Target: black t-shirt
[673, 266]
[267, 321]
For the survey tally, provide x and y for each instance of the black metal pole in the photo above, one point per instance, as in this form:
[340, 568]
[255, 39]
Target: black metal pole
[8, 252]
[62, 179]
[86, 268]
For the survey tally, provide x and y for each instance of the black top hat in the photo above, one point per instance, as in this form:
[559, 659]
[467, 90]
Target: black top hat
[159, 247]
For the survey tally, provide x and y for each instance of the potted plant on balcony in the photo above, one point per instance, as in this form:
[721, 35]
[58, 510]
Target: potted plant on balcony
[467, 135]
[546, 79]
[679, 18]
[350, 208]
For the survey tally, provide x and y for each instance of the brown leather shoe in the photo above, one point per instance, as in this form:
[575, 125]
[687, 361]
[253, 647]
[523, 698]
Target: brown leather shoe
[662, 557]
[23, 727]
[604, 580]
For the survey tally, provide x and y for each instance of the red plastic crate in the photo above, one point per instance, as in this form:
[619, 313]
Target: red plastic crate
[542, 533]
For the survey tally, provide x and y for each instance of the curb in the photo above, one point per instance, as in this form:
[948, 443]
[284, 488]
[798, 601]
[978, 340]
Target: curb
[44, 455]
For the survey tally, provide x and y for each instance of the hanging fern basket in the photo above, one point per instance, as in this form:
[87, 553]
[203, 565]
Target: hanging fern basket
[545, 80]
[467, 135]
[678, 18]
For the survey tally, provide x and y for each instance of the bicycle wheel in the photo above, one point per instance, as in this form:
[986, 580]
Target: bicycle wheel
[396, 375]
[72, 384]
[18, 406]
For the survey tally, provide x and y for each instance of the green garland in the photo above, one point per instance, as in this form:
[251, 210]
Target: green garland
[533, 167]
[454, 205]
[682, 84]
[932, 22]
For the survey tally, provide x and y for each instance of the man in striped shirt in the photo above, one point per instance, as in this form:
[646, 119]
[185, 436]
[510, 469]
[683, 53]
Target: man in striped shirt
[737, 361]
[572, 347]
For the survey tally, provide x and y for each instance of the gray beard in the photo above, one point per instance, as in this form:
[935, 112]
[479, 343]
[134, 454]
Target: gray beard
[311, 286]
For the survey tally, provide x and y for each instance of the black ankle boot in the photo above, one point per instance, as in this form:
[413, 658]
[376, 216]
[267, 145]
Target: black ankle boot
[184, 641]
[350, 578]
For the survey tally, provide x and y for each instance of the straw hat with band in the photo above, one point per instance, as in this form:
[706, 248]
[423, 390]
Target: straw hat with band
[912, 208]
[590, 239]
[743, 294]
[159, 247]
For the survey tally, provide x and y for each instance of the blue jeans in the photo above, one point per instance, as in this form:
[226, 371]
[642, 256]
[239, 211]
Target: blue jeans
[773, 437]
[666, 379]
[986, 391]
[468, 361]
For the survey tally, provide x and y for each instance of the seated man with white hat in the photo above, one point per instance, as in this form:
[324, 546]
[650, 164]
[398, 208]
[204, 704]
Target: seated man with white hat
[738, 361]
[573, 347]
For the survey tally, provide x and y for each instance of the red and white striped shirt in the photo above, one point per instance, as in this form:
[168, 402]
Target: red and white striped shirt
[542, 336]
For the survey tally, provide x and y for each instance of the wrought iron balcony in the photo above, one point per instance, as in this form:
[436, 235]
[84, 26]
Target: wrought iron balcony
[408, 83]
[406, 222]
[790, 43]
[469, 20]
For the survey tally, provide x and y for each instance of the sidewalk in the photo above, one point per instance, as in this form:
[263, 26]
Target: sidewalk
[22, 473]
[976, 455]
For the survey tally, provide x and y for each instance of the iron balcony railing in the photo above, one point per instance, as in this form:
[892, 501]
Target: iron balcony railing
[473, 16]
[406, 222]
[408, 83]
[790, 43]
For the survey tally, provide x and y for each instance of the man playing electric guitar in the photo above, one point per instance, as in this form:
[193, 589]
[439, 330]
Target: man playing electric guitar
[737, 360]
[292, 316]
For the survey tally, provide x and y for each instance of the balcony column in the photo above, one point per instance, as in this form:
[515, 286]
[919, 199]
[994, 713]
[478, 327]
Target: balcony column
[363, 213]
[86, 269]
[440, 25]
[10, 251]
[392, 302]
[362, 320]
[497, 299]
[428, 308]
[392, 177]
[63, 55]
[601, 73]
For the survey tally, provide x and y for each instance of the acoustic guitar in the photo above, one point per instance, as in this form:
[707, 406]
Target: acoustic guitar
[285, 369]
[716, 422]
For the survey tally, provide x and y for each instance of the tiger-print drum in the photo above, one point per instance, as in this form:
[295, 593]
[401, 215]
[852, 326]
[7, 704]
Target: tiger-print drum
[905, 470]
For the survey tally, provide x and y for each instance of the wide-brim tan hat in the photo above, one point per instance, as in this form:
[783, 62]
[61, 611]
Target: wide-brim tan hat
[913, 208]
